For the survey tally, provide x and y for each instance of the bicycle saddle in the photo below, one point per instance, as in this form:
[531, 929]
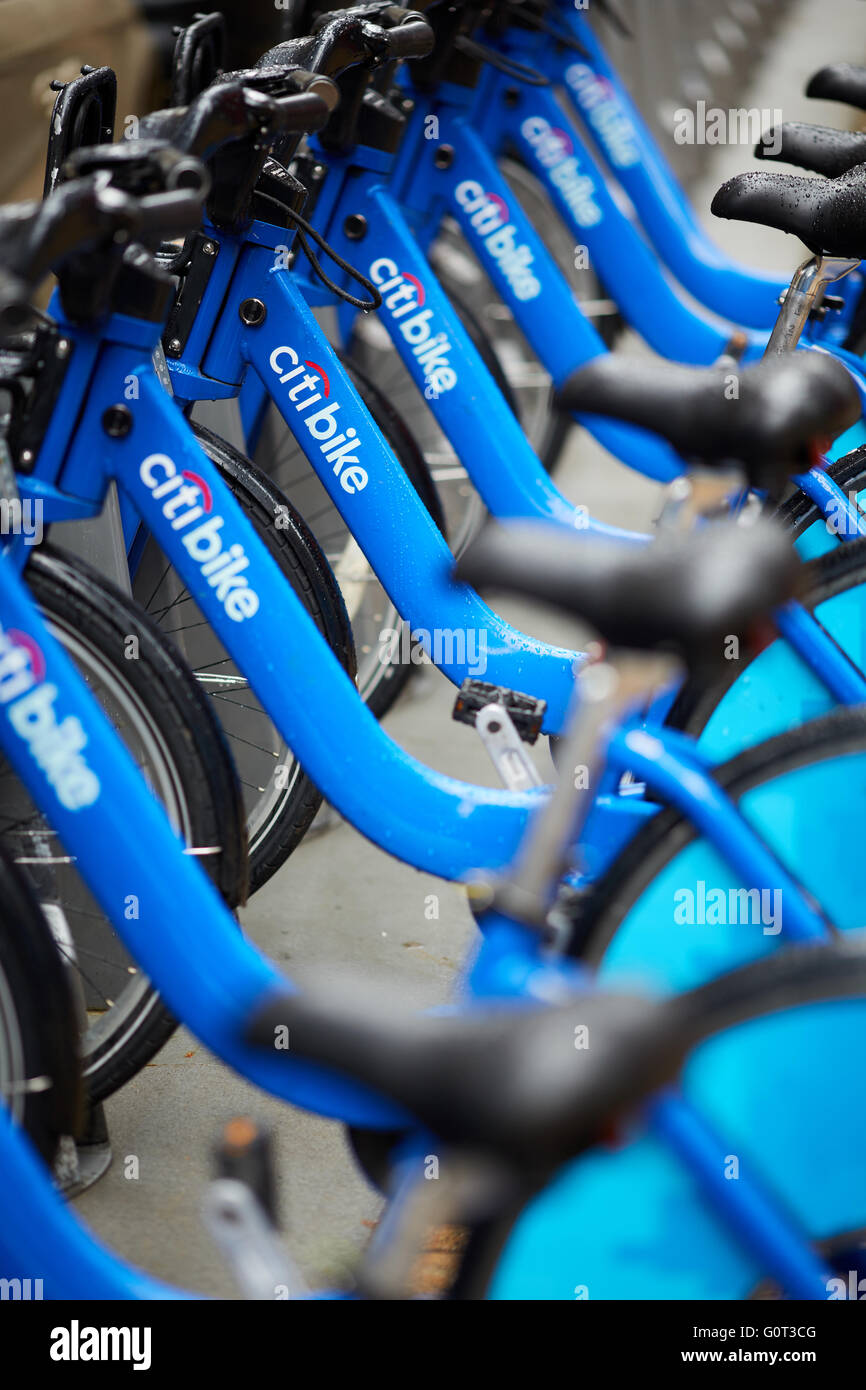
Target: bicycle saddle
[819, 148]
[783, 407]
[844, 82]
[513, 1081]
[828, 215]
[509, 1081]
[684, 593]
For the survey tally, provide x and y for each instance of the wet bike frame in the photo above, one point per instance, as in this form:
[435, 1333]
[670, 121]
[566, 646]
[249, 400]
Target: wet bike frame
[632, 154]
[60, 744]
[466, 401]
[166, 481]
[213, 978]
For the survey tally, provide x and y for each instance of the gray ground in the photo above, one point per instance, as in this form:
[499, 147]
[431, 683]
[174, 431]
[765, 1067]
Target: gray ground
[341, 901]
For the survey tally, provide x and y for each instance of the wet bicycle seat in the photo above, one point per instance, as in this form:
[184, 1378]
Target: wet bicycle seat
[507, 1081]
[828, 215]
[844, 82]
[819, 148]
[782, 408]
[684, 593]
[511, 1081]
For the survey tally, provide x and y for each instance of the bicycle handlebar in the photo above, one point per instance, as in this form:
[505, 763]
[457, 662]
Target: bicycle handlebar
[82, 229]
[236, 108]
[368, 35]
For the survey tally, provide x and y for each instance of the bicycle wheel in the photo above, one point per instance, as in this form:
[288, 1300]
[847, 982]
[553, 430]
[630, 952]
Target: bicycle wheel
[381, 673]
[776, 690]
[642, 922]
[40, 1072]
[637, 916]
[799, 514]
[776, 1097]
[280, 801]
[166, 724]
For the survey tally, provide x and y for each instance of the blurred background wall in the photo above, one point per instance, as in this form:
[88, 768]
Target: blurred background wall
[678, 51]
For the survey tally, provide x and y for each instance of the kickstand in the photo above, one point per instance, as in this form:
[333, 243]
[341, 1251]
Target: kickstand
[81, 1162]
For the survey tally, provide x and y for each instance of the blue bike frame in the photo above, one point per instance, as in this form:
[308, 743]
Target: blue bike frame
[633, 157]
[438, 824]
[214, 979]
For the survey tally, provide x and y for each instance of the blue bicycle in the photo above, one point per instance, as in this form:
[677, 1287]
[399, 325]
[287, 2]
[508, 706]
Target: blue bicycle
[145, 444]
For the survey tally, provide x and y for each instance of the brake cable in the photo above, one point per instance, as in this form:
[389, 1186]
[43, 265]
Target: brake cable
[509, 66]
[304, 230]
[543, 22]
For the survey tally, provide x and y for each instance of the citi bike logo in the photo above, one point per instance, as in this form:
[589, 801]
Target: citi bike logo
[403, 299]
[56, 745]
[186, 499]
[600, 105]
[311, 386]
[555, 152]
[490, 218]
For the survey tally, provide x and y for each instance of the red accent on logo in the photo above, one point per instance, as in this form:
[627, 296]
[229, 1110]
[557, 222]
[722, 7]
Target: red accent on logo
[314, 367]
[501, 204]
[565, 140]
[419, 288]
[33, 650]
[206, 498]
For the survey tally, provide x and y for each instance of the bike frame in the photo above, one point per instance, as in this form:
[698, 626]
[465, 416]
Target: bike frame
[63, 748]
[633, 156]
[433, 822]
[476, 126]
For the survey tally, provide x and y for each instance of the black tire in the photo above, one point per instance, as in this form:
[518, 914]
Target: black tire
[840, 569]
[798, 512]
[38, 1028]
[595, 915]
[152, 697]
[280, 800]
[280, 457]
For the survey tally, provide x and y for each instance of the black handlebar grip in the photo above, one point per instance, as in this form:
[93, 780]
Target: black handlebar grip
[169, 215]
[297, 115]
[14, 302]
[412, 39]
[845, 82]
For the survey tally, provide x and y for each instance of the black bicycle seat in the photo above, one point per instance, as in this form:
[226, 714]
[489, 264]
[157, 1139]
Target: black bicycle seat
[782, 407]
[509, 1081]
[684, 593]
[828, 215]
[845, 82]
[513, 1081]
[819, 148]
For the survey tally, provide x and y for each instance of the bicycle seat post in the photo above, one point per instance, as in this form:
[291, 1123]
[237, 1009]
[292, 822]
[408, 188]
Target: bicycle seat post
[803, 297]
[608, 691]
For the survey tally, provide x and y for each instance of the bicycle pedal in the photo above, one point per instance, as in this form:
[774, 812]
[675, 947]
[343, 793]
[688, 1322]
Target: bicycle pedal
[243, 1152]
[526, 713]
